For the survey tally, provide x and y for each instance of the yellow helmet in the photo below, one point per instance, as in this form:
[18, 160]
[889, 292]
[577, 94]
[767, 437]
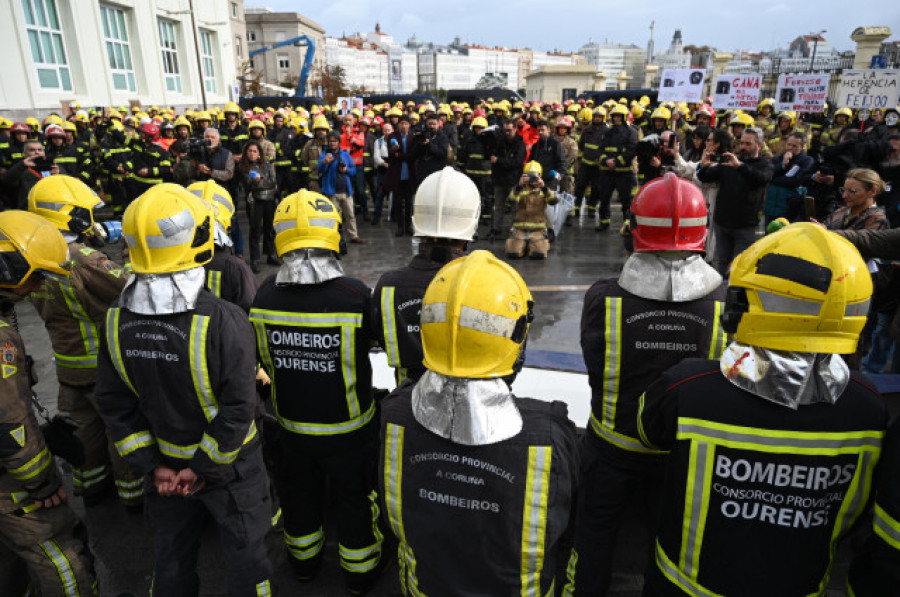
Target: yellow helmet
[661, 112]
[845, 112]
[114, 114]
[645, 101]
[480, 121]
[182, 121]
[744, 119]
[303, 125]
[33, 123]
[168, 229]
[256, 124]
[220, 203]
[82, 116]
[53, 119]
[475, 318]
[573, 109]
[599, 111]
[585, 116]
[766, 102]
[69, 126]
[394, 112]
[790, 115]
[203, 115]
[65, 201]
[802, 288]
[320, 122]
[306, 220]
[637, 110]
[29, 243]
[533, 167]
[618, 109]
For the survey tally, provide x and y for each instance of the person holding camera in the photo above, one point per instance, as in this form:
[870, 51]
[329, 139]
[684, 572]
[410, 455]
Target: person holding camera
[742, 182]
[430, 149]
[211, 161]
[656, 155]
[529, 234]
[336, 172]
[25, 173]
[506, 168]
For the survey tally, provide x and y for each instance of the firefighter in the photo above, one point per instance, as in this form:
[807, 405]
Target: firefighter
[150, 164]
[445, 219]
[776, 139]
[876, 569]
[475, 161]
[115, 161]
[232, 133]
[227, 276]
[530, 235]
[175, 385]
[477, 482]
[36, 525]
[665, 305]
[614, 163]
[313, 331]
[772, 447]
[73, 311]
[80, 154]
[281, 136]
[590, 144]
[570, 152]
[308, 156]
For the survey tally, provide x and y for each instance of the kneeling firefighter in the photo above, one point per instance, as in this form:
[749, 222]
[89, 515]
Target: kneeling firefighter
[530, 235]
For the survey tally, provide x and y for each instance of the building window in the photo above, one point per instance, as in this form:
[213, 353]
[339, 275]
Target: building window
[48, 50]
[252, 65]
[169, 55]
[284, 61]
[234, 10]
[238, 47]
[206, 56]
[251, 36]
[118, 50]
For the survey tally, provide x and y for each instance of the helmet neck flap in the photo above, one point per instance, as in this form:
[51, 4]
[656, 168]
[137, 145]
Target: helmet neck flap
[308, 266]
[671, 276]
[164, 294]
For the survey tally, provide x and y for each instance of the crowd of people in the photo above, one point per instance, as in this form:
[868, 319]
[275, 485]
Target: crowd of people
[726, 395]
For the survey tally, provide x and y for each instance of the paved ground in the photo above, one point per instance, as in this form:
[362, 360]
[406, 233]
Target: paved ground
[123, 544]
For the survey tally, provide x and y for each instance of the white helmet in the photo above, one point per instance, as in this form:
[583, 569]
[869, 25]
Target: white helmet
[447, 205]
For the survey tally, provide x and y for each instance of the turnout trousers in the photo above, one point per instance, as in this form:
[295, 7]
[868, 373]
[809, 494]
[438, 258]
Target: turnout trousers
[242, 511]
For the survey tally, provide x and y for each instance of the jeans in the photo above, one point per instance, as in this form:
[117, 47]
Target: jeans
[884, 348]
[730, 242]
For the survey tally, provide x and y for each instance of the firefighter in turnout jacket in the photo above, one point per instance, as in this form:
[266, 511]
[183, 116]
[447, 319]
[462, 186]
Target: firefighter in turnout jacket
[175, 385]
[475, 160]
[665, 305]
[35, 523]
[227, 276]
[73, 311]
[477, 483]
[616, 173]
[772, 447]
[590, 147]
[529, 235]
[445, 218]
[313, 332]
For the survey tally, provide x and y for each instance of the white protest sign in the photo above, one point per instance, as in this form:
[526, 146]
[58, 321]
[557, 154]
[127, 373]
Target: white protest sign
[736, 91]
[681, 85]
[802, 93]
[869, 88]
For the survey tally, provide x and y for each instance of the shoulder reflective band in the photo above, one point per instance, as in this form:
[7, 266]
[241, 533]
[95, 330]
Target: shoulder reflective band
[115, 350]
[886, 527]
[795, 269]
[63, 567]
[473, 319]
[85, 323]
[306, 546]
[388, 325]
[264, 589]
[777, 441]
[214, 282]
[612, 340]
[33, 467]
[534, 521]
[134, 442]
[717, 340]
[200, 367]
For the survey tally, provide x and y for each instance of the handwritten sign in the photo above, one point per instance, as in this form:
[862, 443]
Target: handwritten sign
[682, 85]
[869, 88]
[802, 93]
[736, 91]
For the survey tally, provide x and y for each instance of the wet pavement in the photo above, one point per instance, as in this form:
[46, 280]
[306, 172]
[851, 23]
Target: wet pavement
[122, 543]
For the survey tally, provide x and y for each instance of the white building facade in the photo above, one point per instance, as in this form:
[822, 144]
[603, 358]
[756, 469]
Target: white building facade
[112, 53]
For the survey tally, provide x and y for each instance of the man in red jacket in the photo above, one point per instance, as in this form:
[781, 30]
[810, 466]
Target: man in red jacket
[353, 141]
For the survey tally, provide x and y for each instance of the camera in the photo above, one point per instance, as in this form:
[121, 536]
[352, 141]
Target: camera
[532, 178]
[648, 147]
[197, 147]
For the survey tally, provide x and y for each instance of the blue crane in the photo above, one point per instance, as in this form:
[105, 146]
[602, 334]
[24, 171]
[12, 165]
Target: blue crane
[307, 60]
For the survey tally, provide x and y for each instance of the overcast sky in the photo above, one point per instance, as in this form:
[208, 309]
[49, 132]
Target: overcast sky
[726, 25]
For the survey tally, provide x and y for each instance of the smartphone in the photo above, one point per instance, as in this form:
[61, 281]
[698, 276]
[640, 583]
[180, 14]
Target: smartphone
[672, 141]
[42, 164]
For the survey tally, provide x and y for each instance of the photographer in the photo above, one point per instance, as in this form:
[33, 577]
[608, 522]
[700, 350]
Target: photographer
[25, 173]
[656, 155]
[506, 167]
[529, 235]
[336, 172]
[209, 160]
[430, 149]
[742, 182]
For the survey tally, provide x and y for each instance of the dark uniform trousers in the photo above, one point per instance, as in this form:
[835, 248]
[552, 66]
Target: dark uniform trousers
[757, 496]
[627, 342]
[314, 340]
[478, 520]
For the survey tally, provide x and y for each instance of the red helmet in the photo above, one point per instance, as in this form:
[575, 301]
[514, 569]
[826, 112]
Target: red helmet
[669, 215]
[54, 130]
[708, 111]
[151, 130]
[19, 127]
[563, 121]
[478, 112]
[379, 121]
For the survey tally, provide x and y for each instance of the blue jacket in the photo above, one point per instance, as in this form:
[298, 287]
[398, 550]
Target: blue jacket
[328, 172]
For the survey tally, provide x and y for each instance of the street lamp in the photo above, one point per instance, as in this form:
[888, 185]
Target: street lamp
[816, 36]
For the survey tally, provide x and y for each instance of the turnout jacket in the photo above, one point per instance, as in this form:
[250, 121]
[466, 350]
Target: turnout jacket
[313, 340]
[73, 310]
[627, 341]
[757, 495]
[477, 520]
[397, 315]
[179, 389]
[619, 144]
[28, 471]
[230, 278]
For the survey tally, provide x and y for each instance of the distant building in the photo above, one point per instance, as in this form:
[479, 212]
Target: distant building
[281, 66]
[461, 66]
[613, 58]
[674, 56]
[238, 33]
[553, 83]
